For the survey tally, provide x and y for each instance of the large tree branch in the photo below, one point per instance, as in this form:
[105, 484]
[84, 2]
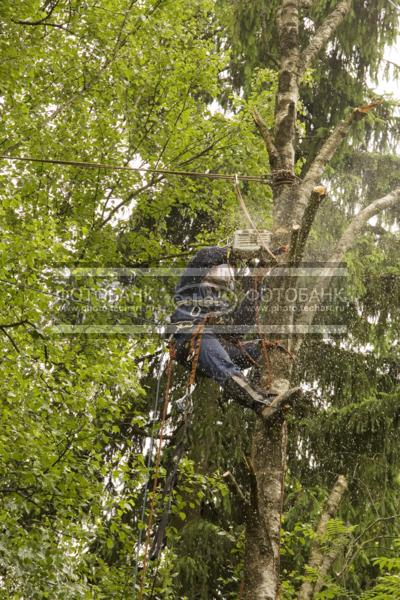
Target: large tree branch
[325, 154]
[358, 223]
[323, 33]
[345, 243]
[317, 554]
[317, 195]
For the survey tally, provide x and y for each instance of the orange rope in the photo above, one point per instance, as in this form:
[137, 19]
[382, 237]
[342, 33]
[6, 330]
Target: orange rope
[195, 350]
[195, 347]
[264, 347]
[267, 345]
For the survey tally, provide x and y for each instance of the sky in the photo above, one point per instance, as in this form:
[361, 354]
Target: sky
[392, 86]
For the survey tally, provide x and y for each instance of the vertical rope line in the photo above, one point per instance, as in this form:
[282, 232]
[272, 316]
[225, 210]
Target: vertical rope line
[248, 216]
[264, 349]
[157, 469]
[195, 350]
[148, 463]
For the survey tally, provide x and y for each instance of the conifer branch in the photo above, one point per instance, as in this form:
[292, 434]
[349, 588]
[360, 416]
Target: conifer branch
[323, 33]
[317, 560]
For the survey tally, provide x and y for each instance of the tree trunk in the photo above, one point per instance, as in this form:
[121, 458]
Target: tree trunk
[267, 466]
[264, 519]
[293, 214]
[269, 444]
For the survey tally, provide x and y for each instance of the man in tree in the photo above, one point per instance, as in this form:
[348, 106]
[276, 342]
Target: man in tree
[204, 296]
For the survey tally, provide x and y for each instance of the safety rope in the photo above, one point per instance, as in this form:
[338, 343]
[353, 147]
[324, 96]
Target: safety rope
[195, 347]
[194, 356]
[148, 464]
[248, 217]
[108, 166]
[157, 468]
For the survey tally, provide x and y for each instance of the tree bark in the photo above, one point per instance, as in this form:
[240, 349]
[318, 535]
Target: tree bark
[323, 33]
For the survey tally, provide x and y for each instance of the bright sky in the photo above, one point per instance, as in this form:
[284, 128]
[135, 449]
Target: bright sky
[392, 86]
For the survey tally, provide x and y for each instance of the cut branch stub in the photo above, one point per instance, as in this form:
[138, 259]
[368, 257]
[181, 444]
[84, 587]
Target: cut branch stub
[361, 111]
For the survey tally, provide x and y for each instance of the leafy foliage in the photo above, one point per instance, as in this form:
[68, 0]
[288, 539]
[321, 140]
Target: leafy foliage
[144, 84]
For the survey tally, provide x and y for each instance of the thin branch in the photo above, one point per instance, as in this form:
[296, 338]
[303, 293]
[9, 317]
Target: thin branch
[11, 339]
[39, 21]
[236, 485]
[350, 555]
[323, 33]
[316, 555]
[44, 22]
[390, 62]
[131, 196]
[10, 325]
[266, 136]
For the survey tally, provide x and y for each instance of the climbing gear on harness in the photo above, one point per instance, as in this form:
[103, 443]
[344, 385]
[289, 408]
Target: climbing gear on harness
[216, 298]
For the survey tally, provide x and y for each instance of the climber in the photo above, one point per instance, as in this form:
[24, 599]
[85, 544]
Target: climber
[204, 296]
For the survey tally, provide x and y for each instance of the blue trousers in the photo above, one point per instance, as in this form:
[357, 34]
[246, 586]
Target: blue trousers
[218, 358]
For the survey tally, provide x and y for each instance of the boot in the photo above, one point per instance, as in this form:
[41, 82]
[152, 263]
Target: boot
[265, 403]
